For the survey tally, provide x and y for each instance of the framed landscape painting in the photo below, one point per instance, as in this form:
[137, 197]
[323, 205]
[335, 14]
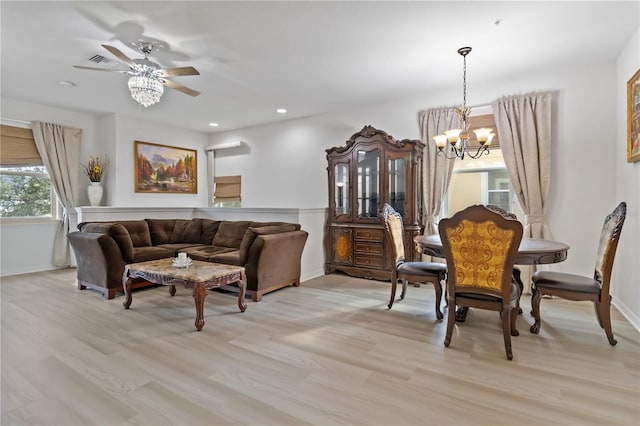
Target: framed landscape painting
[633, 118]
[165, 169]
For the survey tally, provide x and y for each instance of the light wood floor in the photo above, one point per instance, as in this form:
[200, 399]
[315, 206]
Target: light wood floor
[326, 353]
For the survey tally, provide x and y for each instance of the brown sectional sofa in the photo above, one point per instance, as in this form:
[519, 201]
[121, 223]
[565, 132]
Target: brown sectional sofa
[270, 251]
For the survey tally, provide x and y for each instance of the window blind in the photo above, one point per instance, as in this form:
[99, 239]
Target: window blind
[17, 147]
[487, 121]
[228, 189]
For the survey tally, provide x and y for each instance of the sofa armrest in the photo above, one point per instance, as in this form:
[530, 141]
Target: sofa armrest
[99, 259]
[274, 260]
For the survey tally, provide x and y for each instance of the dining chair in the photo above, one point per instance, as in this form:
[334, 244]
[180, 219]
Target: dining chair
[480, 246]
[579, 287]
[415, 272]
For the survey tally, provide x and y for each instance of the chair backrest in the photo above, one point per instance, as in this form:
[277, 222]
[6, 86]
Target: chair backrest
[502, 211]
[608, 245]
[480, 246]
[393, 225]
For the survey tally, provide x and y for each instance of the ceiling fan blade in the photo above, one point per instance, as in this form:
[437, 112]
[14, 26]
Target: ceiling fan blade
[100, 69]
[118, 54]
[183, 89]
[178, 71]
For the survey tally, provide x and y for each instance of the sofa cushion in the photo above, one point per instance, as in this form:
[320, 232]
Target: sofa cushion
[209, 229]
[251, 234]
[116, 231]
[230, 233]
[139, 232]
[205, 252]
[142, 254]
[160, 230]
[176, 247]
[186, 231]
[228, 258]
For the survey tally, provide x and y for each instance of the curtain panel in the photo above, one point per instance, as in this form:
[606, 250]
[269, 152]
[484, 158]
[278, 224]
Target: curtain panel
[437, 169]
[524, 126]
[59, 148]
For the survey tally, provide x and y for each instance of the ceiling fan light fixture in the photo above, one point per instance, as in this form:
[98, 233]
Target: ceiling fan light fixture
[145, 90]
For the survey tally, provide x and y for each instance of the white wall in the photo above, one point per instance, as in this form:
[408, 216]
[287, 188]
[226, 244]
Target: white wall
[286, 165]
[27, 246]
[626, 271]
[128, 130]
[111, 135]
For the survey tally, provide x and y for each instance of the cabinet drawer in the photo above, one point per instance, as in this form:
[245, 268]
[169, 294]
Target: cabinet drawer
[369, 248]
[369, 234]
[376, 262]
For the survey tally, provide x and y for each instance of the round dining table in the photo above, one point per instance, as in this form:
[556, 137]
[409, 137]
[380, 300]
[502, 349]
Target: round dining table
[532, 251]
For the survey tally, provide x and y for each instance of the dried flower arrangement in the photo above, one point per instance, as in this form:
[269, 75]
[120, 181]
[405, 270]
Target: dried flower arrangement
[95, 168]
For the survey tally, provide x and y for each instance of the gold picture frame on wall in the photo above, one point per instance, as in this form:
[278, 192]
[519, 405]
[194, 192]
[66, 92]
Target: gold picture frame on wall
[633, 118]
[165, 169]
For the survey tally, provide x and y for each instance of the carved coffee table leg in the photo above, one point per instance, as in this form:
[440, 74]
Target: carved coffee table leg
[126, 283]
[243, 289]
[199, 293]
[172, 290]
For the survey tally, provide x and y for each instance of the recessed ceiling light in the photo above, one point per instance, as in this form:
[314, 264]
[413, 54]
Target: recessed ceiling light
[67, 83]
[213, 124]
[281, 111]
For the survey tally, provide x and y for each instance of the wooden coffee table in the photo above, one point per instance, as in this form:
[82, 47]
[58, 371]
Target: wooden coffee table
[200, 276]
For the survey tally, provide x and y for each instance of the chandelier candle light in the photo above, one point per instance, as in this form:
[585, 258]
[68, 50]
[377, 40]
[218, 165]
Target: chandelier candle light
[458, 139]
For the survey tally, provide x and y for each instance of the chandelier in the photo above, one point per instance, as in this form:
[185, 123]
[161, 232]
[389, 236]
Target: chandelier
[145, 87]
[458, 139]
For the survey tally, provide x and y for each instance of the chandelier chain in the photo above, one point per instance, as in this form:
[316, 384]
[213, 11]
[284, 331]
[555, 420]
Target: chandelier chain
[455, 143]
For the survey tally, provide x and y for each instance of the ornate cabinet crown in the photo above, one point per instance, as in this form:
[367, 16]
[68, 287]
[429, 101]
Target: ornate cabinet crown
[371, 169]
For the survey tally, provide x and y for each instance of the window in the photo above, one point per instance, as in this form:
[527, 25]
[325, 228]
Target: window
[481, 181]
[25, 186]
[25, 192]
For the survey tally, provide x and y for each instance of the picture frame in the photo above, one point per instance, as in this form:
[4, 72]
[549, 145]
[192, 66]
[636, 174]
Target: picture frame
[633, 118]
[165, 169]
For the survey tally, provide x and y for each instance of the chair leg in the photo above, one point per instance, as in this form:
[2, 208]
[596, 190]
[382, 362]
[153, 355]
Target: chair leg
[446, 289]
[605, 315]
[596, 308]
[394, 283]
[514, 318]
[535, 309]
[451, 320]
[506, 331]
[404, 289]
[438, 288]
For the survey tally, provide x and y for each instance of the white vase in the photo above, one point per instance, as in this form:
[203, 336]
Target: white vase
[94, 191]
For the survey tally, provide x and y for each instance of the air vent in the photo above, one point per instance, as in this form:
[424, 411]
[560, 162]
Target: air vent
[99, 59]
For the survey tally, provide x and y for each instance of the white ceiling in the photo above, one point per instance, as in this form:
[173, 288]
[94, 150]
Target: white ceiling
[307, 57]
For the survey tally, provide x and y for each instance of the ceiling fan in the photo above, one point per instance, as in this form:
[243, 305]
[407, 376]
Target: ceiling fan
[147, 79]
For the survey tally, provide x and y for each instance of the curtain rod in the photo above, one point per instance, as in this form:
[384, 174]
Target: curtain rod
[15, 121]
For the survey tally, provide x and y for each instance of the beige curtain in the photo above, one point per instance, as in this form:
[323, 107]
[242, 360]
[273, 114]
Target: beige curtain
[437, 169]
[524, 127]
[59, 148]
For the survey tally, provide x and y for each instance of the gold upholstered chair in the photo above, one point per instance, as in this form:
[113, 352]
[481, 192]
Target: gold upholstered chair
[480, 246]
[578, 287]
[415, 272]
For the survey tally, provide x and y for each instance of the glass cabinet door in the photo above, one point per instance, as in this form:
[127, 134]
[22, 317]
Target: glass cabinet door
[341, 189]
[368, 183]
[398, 184]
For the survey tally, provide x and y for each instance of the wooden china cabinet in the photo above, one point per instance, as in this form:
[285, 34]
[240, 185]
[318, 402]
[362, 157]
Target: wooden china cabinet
[372, 169]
